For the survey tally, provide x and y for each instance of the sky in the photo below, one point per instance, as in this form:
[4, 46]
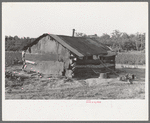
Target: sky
[34, 19]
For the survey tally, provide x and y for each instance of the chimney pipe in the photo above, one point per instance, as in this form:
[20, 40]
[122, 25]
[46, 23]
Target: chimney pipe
[73, 32]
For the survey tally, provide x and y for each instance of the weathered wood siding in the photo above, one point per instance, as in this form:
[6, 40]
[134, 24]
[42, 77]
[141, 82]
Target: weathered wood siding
[41, 57]
[85, 67]
[50, 56]
[47, 67]
[88, 62]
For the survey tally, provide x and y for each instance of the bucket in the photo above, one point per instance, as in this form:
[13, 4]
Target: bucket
[103, 75]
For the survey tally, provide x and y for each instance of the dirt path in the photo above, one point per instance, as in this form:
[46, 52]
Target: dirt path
[59, 88]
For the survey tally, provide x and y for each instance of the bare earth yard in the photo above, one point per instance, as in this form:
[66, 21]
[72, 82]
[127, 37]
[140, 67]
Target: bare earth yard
[59, 88]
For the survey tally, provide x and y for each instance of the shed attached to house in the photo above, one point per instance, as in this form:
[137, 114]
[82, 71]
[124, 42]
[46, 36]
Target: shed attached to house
[66, 55]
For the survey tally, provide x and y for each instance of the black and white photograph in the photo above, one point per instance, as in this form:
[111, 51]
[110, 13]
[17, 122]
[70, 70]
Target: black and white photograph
[79, 54]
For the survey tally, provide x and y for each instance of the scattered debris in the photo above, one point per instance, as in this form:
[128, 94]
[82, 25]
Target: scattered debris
[128, 77]
[68, 80]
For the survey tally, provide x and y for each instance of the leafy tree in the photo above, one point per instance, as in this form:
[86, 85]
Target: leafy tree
[15, 43]
[117, 41]
[16, 38]
[116, 38]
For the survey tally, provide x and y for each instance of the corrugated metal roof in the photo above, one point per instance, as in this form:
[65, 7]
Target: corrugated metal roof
[85, 46]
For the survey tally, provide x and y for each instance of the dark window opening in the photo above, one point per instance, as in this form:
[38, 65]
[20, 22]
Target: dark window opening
[101, 58]
[84, 58]
[90, 57]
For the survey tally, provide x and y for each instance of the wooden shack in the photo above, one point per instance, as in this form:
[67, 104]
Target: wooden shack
[67, 55]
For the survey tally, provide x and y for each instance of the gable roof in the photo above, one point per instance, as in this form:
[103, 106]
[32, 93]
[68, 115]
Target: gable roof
[85, 46]
[81, 46]
[35, 41]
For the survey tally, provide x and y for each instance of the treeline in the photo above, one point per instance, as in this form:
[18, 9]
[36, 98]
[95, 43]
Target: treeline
[16, 44]
[120, 41]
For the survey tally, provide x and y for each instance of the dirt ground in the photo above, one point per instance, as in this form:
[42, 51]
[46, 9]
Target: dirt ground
[57, 87]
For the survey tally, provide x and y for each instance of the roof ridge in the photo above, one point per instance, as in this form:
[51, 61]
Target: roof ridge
[77, 45]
